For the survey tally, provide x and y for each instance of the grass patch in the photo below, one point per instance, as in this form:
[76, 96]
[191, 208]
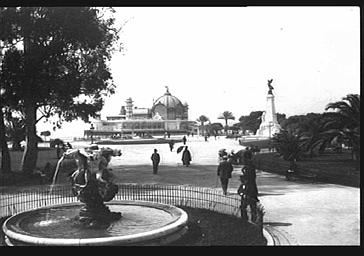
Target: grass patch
[336, 168]
[208, 228]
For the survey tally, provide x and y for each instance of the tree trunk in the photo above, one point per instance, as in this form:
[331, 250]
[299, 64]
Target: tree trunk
[29, 160]
[30, 155]
[5, 155]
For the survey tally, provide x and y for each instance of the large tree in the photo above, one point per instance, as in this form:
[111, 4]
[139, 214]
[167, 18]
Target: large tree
[226, 115]
[251, 122]
[56, 62]
[215, 128]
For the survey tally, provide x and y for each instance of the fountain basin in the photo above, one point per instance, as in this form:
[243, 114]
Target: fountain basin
[142, 223]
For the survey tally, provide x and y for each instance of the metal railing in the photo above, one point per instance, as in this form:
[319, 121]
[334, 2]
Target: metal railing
[179, 195]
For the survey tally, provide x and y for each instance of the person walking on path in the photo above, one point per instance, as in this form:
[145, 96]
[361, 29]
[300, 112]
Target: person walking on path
[247, 155]
[248, 191]
[184, 140]
[171, 144]
[155, 160]
[224, 171]
[186, 157]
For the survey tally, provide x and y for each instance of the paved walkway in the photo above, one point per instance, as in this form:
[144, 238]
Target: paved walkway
[297, 213]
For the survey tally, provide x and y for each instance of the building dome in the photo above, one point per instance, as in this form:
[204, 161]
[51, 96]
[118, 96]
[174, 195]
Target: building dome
[168, 100]
[169, 107]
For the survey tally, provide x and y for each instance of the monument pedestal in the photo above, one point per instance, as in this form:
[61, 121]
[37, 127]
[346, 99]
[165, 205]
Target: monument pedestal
[269, 125]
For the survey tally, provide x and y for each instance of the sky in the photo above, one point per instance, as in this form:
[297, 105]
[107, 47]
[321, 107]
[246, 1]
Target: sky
[220, 58]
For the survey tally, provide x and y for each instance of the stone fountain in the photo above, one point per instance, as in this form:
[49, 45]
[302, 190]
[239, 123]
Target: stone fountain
[96, 219]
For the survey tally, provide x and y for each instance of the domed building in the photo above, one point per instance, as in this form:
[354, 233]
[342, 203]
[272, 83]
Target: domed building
[169, 107]
[167, 115]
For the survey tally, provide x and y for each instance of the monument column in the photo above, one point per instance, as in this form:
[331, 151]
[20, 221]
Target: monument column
[269, 125]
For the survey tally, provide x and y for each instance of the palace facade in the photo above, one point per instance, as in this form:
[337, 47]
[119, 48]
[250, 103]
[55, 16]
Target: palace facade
[168, 114]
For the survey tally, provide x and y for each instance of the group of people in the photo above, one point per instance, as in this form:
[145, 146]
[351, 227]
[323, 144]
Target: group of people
[248, 189]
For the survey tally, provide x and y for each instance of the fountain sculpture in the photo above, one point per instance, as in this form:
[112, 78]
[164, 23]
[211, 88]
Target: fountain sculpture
[93, 188]
[131, 222]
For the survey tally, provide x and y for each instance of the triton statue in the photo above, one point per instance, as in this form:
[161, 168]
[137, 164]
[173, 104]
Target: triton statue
[92, 184]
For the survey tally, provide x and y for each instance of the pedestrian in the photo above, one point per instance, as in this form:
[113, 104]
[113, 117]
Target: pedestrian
[171, 144]
[222, 152]
[155, 160]
[186, 157]
[248, 191]
[206, 137]
[224, 171]
[184, 139]
[247, 155]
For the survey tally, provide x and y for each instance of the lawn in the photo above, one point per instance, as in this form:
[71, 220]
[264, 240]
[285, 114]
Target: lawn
[207, 228]
[336, 168]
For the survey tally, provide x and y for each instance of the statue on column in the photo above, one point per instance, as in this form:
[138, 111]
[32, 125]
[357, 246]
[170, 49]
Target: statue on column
[270, 86]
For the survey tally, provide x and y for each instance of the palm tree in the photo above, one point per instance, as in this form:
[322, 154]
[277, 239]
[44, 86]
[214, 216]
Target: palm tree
[312, 129]
[344, 124]
[226, 115]
[202, 119]
[289, 145]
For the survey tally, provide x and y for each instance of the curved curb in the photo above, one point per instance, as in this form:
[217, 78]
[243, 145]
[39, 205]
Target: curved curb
[268, 237]
[279, 237]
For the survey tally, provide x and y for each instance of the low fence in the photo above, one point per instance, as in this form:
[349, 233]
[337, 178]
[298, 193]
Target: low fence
[195, 197]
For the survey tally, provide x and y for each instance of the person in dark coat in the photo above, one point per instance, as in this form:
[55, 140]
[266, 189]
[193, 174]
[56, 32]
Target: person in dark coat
[224, 171]
[184, 139]
[248, 191]
[247, 155]
[171, 144]
[186, 157]
[155, 160]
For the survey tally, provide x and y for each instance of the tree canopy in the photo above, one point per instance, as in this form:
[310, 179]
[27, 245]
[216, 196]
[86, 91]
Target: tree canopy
[251, 122]
[56, 62]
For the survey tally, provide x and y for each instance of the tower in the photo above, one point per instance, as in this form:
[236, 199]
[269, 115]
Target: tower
[269, 124]
[129, 108]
